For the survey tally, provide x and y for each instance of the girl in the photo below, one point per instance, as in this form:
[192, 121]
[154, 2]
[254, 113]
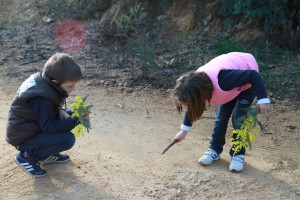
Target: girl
[231, 81]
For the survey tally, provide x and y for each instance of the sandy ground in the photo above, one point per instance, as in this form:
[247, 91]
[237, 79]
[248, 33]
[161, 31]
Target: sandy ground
[121, 156]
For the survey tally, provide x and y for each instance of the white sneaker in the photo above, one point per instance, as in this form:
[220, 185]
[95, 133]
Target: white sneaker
[237, 163]
[208, 157]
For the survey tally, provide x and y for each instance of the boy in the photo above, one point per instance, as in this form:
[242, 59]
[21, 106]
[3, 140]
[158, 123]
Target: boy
[37, 125]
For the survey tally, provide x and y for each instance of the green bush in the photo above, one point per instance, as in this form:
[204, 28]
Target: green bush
[128, 24]
[153, 65]
[280, 18]
[144, 45]
[223, 46]
[165, 2]
[78, 9]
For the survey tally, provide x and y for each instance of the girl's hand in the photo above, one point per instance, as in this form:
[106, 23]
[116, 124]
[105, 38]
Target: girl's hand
[262, 107]
[86, 116]
[180, 136]
[63, 114]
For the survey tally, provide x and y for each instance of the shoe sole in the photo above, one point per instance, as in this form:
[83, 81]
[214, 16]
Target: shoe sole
[53, 162]
[203, 164]
[235, 171]
[25, 170]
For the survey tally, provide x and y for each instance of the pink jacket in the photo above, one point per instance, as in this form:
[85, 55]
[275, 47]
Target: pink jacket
[234, 60]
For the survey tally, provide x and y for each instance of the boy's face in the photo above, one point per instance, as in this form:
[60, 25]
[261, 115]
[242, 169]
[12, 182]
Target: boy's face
[68, 86]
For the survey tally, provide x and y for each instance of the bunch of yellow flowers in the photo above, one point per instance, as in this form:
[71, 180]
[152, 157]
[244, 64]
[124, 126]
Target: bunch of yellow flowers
[79, 110]
[246, 134]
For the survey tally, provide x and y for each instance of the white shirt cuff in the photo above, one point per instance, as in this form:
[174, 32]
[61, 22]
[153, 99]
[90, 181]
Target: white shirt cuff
[185, 128]
[264, 100]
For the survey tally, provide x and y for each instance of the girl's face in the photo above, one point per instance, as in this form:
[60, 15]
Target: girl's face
[184, 104]
[68, 86]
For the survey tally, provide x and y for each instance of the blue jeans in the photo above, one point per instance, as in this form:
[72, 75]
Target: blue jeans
[44, 145]
[234, 107]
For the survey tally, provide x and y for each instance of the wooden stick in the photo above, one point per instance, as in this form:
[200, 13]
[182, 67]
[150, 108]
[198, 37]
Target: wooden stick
[169, 146]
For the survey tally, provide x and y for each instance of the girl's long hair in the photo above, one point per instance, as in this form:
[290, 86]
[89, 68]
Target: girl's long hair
[193, 90]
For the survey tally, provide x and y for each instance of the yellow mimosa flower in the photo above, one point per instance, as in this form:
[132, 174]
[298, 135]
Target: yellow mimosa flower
[245, 136]
[79, 110]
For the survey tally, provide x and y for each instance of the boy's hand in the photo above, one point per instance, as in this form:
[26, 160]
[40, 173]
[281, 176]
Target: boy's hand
[262, 107]
[63, 114]
[180, 136]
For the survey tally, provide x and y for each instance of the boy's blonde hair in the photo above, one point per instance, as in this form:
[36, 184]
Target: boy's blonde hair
[62, 68]
[194, 90]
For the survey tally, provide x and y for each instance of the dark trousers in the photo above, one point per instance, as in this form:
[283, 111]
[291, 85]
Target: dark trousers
[44, 145]
[235, 108]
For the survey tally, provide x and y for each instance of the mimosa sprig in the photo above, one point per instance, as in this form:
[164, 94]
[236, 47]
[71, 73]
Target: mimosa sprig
[80, 109]
[246, 134]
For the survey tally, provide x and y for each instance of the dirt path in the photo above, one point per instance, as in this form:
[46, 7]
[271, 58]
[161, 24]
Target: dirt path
[121, 157]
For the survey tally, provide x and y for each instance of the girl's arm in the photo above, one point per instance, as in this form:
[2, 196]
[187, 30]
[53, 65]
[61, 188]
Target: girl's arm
[185, 127]
[186, 124]
[229, 79]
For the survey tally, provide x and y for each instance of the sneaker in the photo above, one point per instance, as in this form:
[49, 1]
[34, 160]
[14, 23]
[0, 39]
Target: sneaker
[30, 167]
[208, 157]
[56, 158]
[237, 163]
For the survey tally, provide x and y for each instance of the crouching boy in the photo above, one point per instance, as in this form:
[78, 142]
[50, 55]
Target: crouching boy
[38, 126]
